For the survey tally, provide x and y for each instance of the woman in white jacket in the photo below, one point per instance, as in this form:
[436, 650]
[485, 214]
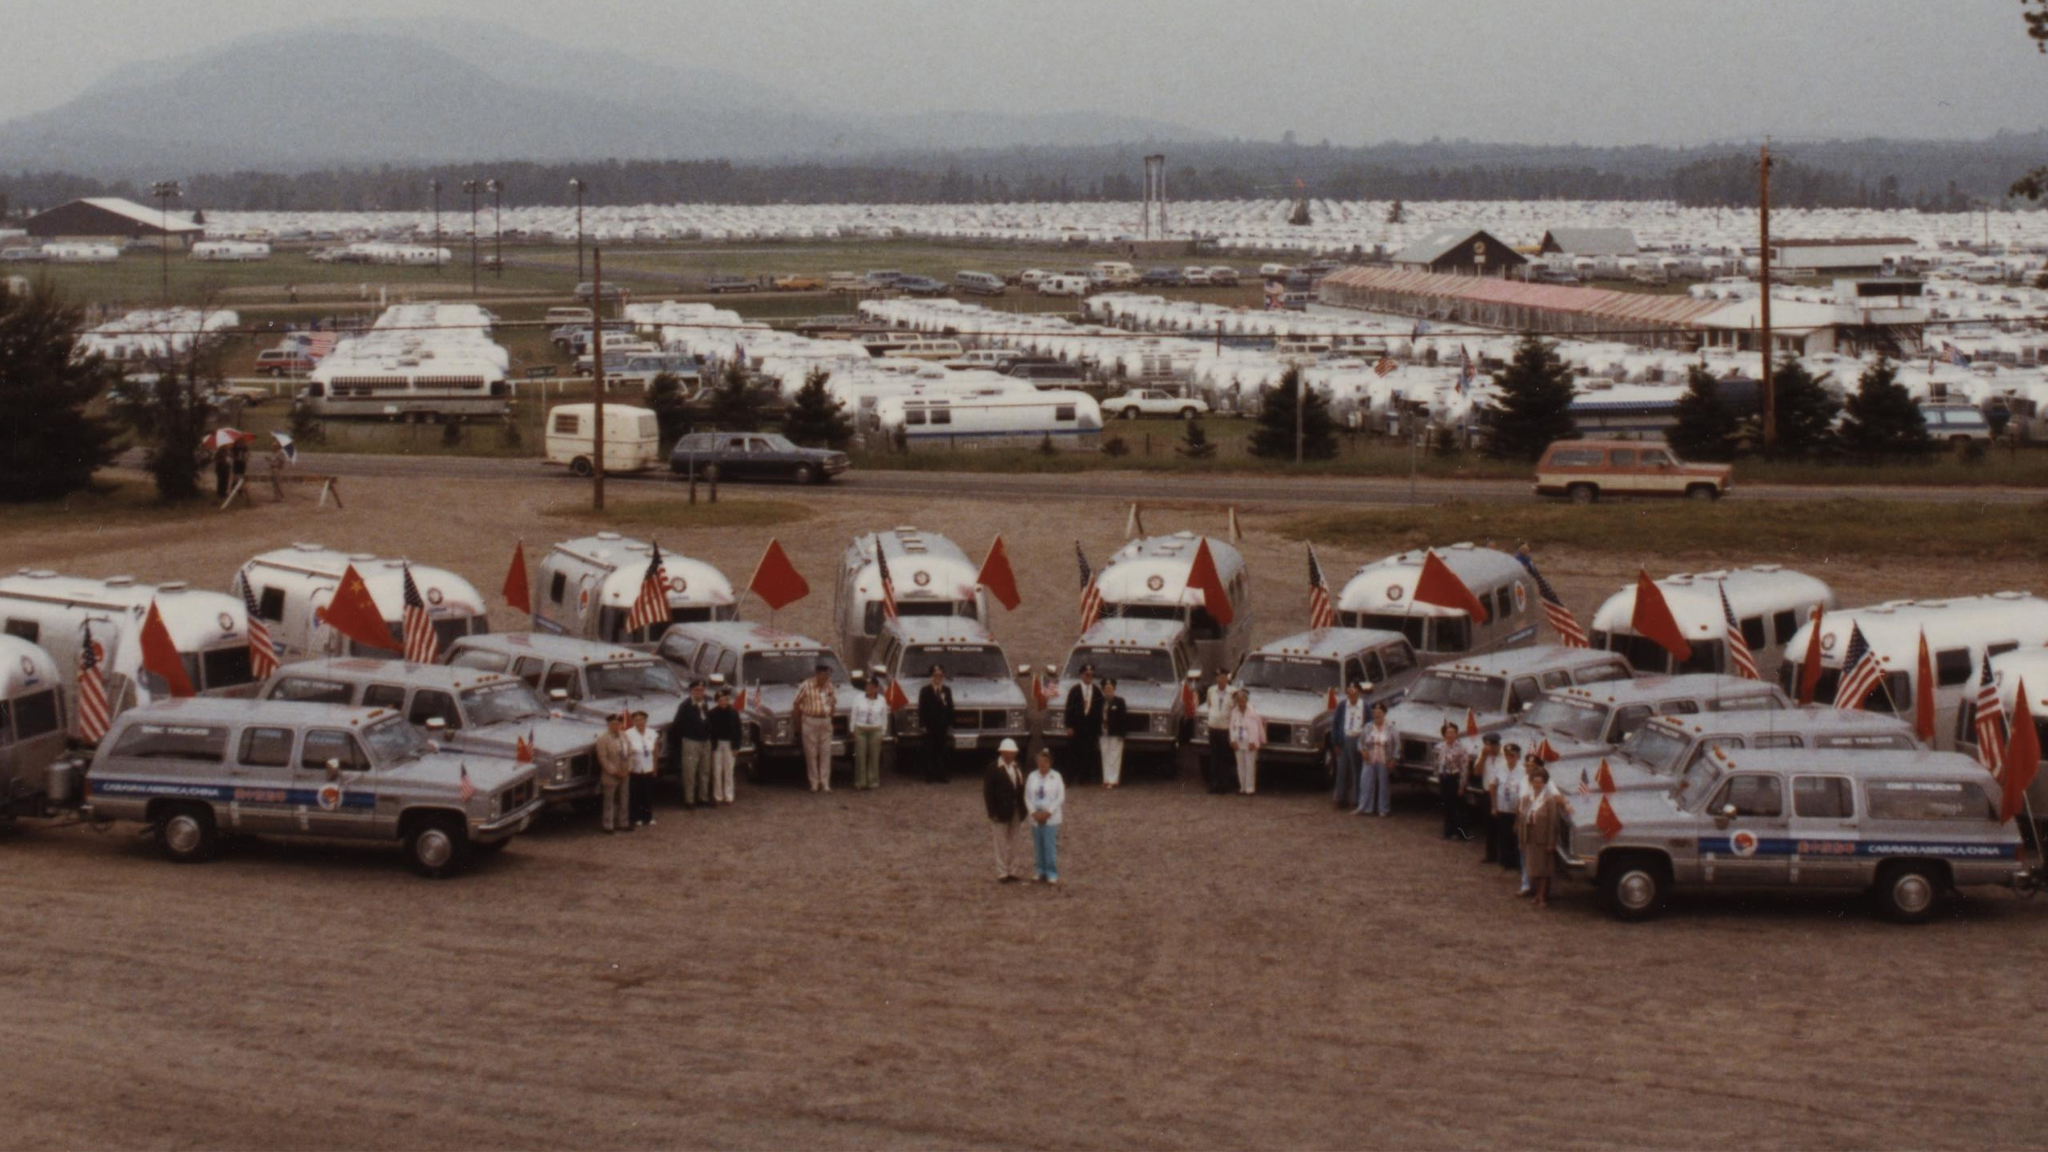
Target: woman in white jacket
[1247, 736]
[1045, 796]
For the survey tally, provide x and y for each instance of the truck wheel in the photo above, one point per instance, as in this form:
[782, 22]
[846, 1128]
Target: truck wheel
[1702, 492]
[187, 834]
[437, 846]
[1908, 893]
[1634, 887]
[1187, 413]
[804, 474]
[580, 466]
[1582, 493]
[1128, 414]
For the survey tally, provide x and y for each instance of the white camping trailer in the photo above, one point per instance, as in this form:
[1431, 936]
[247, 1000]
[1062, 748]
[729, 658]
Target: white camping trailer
[230, 251]
[209, 630]
[32, 729]
[1005, 419]
[1147, 579]
[1382, 595]
[632, 437]
[588, 585]
[2009, 670]
[292, 584]
[406, 385]
[1771, 603]
[930, 575]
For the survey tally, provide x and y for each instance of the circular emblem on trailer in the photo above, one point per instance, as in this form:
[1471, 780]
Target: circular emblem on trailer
[434, 596]
[227, 623]
[583, 598]
[920, 578]
[330, 797]
[1521, 598]
[678, 585]
[1743, 843]
[1155, 583]
[1394, 592]
[1827, 642]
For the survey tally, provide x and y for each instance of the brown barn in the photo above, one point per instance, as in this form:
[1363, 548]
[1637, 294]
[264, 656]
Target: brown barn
[1466, 251]
[111, 216]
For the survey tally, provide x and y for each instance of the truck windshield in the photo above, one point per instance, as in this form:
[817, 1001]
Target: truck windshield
[780, 667]
[631, 678]
[1288, 673]
[1578, 719]
[1460, 690]
[1698, 780]
[1124, 665]
[961, 661]
[498, 703]
[394, 741]
[1658, 749]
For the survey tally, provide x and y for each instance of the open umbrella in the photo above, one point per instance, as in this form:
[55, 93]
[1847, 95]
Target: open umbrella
[221, 438]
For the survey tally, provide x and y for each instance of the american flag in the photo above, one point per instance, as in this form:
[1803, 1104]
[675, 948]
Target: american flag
[1465, 370]
[421, 646]
[1320, 614]
[1384, 365]
[263, 658]
[1421, 330]
[1861, 672]
[522, 747]
[651, 606]
[1585, 783]
[1561, 619]
[468, 788]
[1740, 658]
[1954, 355]
[888, 585]
[1990, 720]
[93, 714]
[1091, 596]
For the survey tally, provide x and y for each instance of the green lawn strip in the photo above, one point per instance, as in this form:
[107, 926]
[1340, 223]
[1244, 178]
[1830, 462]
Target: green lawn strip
[678, 512]
[107, 504]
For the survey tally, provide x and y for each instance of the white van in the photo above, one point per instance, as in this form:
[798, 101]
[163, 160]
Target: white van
[566, 315]
[632, 438]
[1063, 285]
[1113, 273]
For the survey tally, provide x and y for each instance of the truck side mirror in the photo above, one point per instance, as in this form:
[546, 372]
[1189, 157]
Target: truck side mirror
[333, 769]
[558, 694]
[1726, 814]
[1023, 670]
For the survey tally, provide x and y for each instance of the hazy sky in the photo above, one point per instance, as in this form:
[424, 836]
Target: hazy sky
[1598, 71]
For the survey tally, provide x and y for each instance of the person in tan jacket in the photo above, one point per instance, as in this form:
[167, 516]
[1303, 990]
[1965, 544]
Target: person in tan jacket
[614, 769]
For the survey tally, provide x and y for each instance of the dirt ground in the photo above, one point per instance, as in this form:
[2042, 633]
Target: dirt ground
[842, 972]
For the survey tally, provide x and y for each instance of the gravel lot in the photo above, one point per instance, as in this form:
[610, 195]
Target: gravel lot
[840, 971]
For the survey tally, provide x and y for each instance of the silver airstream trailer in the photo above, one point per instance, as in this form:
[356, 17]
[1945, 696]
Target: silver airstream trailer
[2027, 666]
[32, 731]
[1147, 579]
[1382, 595]
[1771, 603]
[291, 584]
[930, 575]
[209, 630]
[588, 586]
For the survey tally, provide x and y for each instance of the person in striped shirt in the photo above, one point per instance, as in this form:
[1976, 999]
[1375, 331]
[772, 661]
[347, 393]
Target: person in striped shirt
[815, 704]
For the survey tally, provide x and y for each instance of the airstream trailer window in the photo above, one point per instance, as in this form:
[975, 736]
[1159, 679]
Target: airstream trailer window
[557, 586]
[961, 661]
[1451, 634]
[1287, 673]
[1139, 665]
[449, 629]
[2001, 648]
[1642, 653]
[310, 691]
[266, 748]
[34, 714]
[913, 416]
[1578, 719]
[566, 424]
[384, 696]
[1927, 800]
[270, 605]
[226, 667]
[488, 704]
[1459, 690]
[942, 415]
[173, 742]
[1753, 632]
[1952, 666]
[1504, 601]
[28, 630]
[1409, 626]
[322, 745]
[632, 678]
[394, 741]
[1783, 625]
[786, 667]
[1063, 412]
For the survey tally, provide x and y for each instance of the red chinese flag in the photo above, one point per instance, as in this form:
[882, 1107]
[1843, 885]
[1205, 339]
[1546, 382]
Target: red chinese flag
[517, 594]
[1809, 668]
[1440, 586]
[1652, 619]
[160, 656]
[1605, 779]
[776, 581]
[1471, 722]
[1545, 754]
[2022, 758]
[1608, 823]
[1204, 578]
[355, 615]
[1923, 694]
[895, 695]
[995, 575]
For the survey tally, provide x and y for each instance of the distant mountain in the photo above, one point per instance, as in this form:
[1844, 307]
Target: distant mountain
[441, 91]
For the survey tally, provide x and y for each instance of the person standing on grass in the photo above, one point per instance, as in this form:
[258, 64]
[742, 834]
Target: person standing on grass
[1347, 724]
[613, 769]
[1504, 792]
[1045, 795]
[689, 735]
[725, 745]
[1247, 736]
[1453, 764]
[935, 715]
[221, 470]
[641, 746]
[812, 713]
[1084, 727]
[1478, 794]
[1541, 814]
[1002, 797]
[1116, 717]
[870, 722]
[238, 462]
[1375, 754]
[1222, 764]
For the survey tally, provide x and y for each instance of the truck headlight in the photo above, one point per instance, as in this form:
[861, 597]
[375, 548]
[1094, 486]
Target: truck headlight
[782, 734]
[1303, 736]
[1014, 719]
[551, 769]
[1161, 724]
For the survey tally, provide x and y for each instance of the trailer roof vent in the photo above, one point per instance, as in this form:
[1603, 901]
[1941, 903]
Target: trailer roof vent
[120, 581]
[609, 536]
[173, 586]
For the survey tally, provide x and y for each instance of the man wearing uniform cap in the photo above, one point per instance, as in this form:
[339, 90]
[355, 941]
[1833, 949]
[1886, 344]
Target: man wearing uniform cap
[725, 745]
[1002, 796]
[690, 735]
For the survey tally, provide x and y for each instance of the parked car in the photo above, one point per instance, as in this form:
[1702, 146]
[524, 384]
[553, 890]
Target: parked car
[1956, 424]
[23, 256]
[754, 456]
[283, 362]
[1223, 276]
[1194, 276]
[1030, 277]
[1136, 402]
[729, 283]
[1584, 471]
[794, 282]
[1161, 278]
[920, 286]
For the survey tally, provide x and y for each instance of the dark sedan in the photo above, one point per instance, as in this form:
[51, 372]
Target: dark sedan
[1162, 278]
[753, 456]
[718, 284]
[919, 286]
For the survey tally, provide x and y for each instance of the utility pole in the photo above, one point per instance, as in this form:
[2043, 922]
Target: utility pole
[165, 191]
[434, 185]
[1300, 402]
[497, 230]
[1769, 394]
[473, 187]
[597, 373]
[576, 184]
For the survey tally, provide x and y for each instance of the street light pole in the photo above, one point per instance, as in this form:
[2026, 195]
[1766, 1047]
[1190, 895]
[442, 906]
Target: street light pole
[576, 185]
[435, 186]
[497, 230]
[165, 191]
[473, 187]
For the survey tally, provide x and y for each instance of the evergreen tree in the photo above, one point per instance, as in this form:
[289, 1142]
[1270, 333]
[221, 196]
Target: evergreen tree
[734, 406]
[48, 445]
[171, 412]
[671, 407]
[1706, 429]
[1535, 403]
[1273, 438]
[1805, 411]
[815, 419]
[1396, 213]
[1880, 420]
[1194, 442]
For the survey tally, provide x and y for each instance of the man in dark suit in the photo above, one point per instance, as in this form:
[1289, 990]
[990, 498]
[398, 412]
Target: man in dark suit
[1084, 728]
[1347, 724]
[935, 716]
[1002, 795]
[688, 746]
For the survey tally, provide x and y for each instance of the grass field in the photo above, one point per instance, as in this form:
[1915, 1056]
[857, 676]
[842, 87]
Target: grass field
[112, 504]
[728, 513]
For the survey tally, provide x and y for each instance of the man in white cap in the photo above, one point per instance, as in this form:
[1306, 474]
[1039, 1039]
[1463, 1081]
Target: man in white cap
[1002, 794]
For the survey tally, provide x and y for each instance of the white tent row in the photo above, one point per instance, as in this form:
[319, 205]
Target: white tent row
[153, 333]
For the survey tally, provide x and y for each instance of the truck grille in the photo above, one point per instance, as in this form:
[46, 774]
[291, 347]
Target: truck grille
[976, 719]
[515, 797]
[583, 765]
[1279, 734]
[1414, 752]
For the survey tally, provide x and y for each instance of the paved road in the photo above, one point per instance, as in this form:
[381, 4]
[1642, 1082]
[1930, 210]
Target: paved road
[1144, 486]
